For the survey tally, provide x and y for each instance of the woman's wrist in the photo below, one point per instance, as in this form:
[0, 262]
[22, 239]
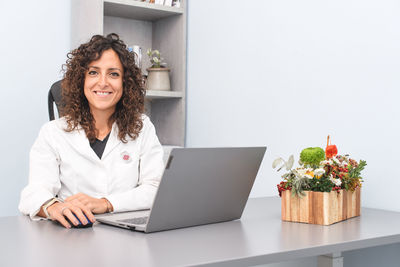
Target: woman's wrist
[108, 206]
[49, 204]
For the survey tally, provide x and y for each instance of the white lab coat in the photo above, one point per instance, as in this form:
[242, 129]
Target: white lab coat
[63, 163]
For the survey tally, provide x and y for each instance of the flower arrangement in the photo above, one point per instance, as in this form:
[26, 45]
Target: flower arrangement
[320, 171]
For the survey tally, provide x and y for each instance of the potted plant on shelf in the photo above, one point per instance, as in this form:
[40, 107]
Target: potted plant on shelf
[158, 74]
[324, 189]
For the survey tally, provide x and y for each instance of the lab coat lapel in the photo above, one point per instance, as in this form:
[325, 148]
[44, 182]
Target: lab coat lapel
[112, 142]
[81, 144]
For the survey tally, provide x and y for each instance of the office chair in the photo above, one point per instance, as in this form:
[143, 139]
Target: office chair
[54, 97]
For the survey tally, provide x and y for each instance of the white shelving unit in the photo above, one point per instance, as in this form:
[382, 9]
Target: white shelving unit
[154, 95]
[149, 26]
[139, 10]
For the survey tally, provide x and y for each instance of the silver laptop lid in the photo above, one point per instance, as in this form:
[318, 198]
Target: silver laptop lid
[204, 185]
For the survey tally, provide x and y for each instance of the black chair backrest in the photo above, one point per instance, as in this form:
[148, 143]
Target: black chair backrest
[54, 97]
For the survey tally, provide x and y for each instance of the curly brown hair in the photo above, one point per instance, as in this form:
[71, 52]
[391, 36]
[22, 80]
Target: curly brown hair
[74, 105]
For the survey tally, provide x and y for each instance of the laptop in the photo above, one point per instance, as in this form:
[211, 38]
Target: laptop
[199, 186]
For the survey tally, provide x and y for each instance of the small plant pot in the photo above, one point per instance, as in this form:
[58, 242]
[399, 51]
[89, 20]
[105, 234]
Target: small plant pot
[158, 79]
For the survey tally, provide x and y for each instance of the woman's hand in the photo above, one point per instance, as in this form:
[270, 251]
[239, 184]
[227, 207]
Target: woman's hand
[95, 205]
[58, 210]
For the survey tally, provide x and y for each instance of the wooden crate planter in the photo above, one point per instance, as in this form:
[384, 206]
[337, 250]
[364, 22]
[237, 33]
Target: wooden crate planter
[321, 207]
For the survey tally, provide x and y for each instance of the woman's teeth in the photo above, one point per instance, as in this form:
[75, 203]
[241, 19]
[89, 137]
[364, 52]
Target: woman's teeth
[102, 93]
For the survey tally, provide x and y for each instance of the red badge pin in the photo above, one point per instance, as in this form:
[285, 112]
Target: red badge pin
[126, 157]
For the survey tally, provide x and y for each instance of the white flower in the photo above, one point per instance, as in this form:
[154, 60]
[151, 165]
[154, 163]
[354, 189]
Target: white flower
[319, 172]
[344, 161]
[334, 159]
[337, 182]
[304, 173]
[326, 162]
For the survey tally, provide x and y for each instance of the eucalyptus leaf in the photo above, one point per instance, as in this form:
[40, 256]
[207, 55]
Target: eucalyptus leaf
[277, 162]
[289, 163]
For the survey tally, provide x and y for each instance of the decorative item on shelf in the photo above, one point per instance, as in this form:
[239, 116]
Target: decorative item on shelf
[324, 189]
[168, 3]
[138, 54]
[176, 3]
[158, 74]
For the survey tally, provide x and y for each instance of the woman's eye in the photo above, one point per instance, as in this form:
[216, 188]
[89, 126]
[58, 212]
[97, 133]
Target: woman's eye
[92, 72]
[114, 74]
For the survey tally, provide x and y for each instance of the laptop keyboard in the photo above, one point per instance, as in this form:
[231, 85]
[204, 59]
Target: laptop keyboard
[139, 220]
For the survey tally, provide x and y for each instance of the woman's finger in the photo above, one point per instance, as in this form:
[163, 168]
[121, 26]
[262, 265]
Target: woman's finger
[78, 212]
[90, 215]
[68, 213]
[60, 218]
[86, 208]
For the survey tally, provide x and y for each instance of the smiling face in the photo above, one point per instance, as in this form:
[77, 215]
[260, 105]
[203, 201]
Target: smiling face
[103, 85]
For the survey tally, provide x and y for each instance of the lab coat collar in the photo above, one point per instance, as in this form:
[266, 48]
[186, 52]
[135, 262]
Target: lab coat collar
[80, 142]
[112, 142]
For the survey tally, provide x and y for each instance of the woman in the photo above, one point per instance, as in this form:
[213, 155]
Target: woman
[103, 155]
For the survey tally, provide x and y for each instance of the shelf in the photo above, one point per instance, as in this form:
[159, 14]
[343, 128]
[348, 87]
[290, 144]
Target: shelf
[152, 94]
[139, 10]
[149, 26]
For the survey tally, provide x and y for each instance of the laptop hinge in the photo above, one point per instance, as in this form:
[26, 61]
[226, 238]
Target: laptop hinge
[169, 162]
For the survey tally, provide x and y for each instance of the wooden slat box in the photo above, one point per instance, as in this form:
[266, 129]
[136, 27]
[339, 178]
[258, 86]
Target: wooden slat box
[321, 207]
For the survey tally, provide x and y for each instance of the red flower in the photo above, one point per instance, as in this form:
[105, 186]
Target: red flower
[282, 186]
[330, 150]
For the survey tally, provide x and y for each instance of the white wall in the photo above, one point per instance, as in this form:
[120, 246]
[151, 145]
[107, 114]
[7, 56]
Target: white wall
[35, 38]
[287, 73]
[277, 73]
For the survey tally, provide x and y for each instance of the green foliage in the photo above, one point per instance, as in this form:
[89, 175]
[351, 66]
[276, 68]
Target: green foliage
[312, 156]
[299, 185]
[353, 179]
[321, 185]
[355, 172]
[155, 59]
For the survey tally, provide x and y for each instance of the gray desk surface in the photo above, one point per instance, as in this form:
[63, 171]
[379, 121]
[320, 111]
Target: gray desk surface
[259, 237]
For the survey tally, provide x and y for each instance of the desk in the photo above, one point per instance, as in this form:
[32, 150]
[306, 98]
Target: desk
[259, 237]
